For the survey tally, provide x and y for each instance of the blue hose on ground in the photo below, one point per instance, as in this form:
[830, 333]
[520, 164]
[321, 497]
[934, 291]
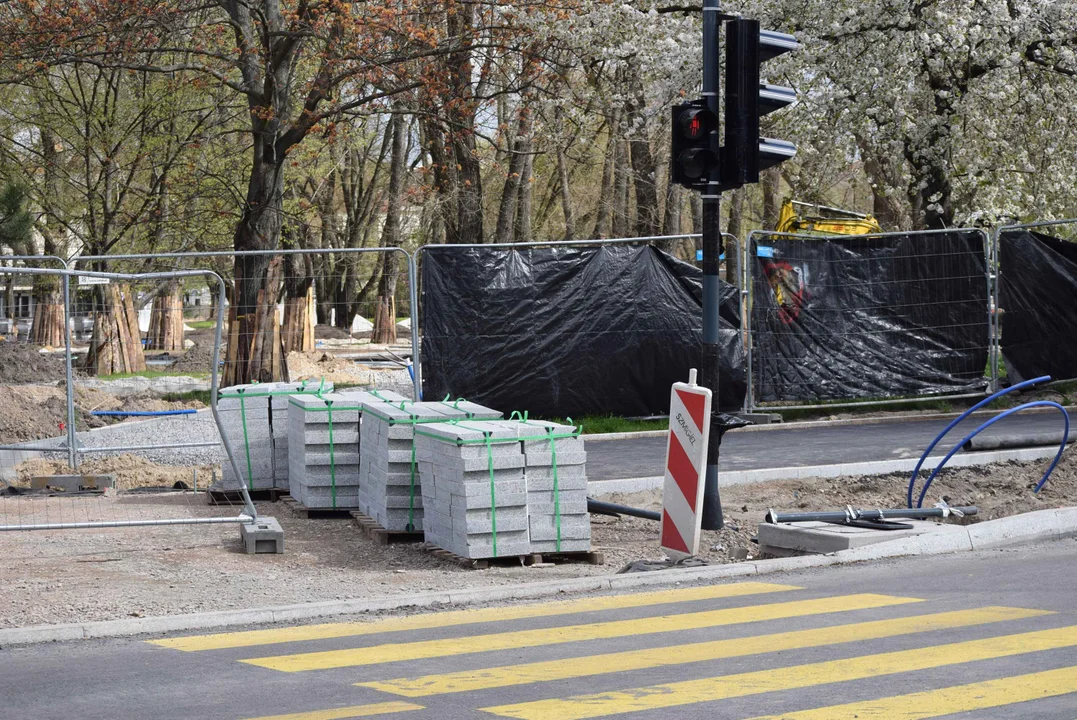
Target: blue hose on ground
[962, 416]
[141, 413]
[989, 423]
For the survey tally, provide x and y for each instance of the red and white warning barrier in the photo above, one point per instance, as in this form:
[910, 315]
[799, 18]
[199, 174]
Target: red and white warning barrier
[686, 467]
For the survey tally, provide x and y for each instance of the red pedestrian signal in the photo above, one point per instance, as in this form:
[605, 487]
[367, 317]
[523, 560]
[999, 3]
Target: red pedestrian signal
[695, 142]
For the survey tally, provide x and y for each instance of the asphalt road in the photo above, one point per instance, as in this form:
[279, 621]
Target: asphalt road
[797, 446]
[989, 635]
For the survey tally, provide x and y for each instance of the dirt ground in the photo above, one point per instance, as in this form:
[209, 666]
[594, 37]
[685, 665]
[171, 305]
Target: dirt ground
[131, 471]
[36, 412]
[65, 576]
[21, 363]
[199, 357]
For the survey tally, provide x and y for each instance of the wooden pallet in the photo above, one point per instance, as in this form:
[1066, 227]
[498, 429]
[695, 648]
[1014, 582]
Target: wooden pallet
[216, 496]
[302, 511]
[591, 558]
[376, 532]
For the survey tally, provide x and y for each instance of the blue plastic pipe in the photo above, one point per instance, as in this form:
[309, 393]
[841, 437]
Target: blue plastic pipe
[141, 413]
[962, 416]
[989, 423]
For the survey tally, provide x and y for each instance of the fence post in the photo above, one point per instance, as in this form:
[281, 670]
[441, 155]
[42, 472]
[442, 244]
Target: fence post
[749, 289]
[72, 440]
[991, 272]
[413, 301]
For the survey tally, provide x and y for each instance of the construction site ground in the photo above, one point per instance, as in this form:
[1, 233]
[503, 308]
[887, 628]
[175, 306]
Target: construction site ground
[84, 575]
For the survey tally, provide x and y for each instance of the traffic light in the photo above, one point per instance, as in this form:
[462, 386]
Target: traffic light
[694, 144]
[747, 99]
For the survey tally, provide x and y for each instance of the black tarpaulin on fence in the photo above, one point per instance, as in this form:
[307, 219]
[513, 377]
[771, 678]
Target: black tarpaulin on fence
[863, 317]
[569, 331]
[1038, 298]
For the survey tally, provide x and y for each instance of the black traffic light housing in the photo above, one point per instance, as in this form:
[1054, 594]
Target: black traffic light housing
[745, 153]
[694, 144]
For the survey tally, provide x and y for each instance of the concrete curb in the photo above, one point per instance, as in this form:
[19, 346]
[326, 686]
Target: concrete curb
[873, 467]
[907, 417]
[1038, 526]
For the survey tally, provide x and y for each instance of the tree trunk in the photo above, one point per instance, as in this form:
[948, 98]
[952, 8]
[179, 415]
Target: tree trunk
[671, 221]
[772, 197]
[523, 208]
[566, 195]
[646, 191]
[298, 331]
[47, 327]
[605, 193]
[385, 312]
[166, 320]
[620, 192]
[116, 346]
[510, 195]
[644, 178]
[469, 208]
[255, 352]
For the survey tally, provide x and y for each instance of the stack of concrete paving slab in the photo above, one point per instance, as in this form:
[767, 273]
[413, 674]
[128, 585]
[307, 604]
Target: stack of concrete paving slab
[278, 422]
[254, 419]
[474, 492]
[244, 413]
[323, 467]
[323, 452]
[391, 489]
[557, 513]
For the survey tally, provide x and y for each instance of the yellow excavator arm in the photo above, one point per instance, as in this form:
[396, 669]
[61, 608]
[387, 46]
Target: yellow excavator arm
[811, 219]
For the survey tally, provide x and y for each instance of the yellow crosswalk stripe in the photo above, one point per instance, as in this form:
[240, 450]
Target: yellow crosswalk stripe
[325, 631]
[395, 652]
[344, 713]
[959, 698]
[468, 680]
[787, 678]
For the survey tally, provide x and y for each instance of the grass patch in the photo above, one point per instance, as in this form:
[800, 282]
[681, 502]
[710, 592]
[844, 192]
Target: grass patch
[201, 324]
[597, 424]
[202, 396]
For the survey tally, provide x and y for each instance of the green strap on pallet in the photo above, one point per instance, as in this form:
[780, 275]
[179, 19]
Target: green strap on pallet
[493, 493]
[332, 455]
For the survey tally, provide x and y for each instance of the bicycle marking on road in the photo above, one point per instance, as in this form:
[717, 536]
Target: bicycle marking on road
[397, 652]
[325, 631]
[786, 678]
[946, 701]
[563, 669]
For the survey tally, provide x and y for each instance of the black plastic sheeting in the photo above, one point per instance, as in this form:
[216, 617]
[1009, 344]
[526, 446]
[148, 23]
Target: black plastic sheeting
[1038, 298]
[863, 317]
[569, 331]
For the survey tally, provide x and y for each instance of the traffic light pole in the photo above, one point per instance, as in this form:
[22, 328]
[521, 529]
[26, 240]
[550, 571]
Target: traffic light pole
[712, 251]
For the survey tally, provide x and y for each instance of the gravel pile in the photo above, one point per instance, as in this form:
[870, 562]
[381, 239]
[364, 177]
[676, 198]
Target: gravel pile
[169, 430]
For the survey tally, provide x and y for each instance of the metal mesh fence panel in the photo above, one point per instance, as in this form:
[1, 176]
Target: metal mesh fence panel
[116, 458]
[1037, 286]
[896, 316]
[342, 315]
